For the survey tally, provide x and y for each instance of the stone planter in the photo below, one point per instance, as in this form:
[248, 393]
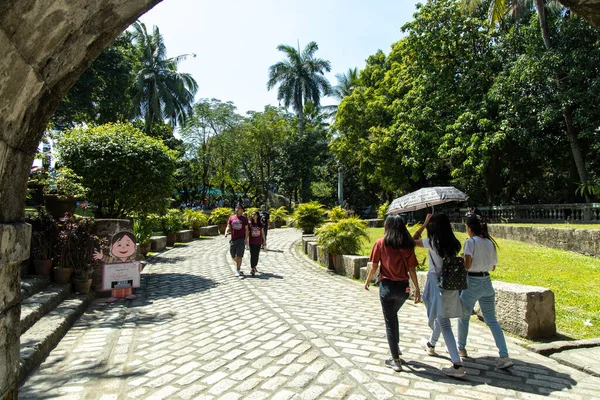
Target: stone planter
[171, 238]
[144, 249]
[57, 207]
[62, 275]
[82, 286]
[43, 267]
[222, 228]
[211, 230]
[196, 234]
[279, 224]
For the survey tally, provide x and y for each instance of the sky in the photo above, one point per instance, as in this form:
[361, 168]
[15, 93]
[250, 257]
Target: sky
[235, 41]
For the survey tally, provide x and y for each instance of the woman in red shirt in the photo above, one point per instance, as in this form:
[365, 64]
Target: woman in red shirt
[395, 253]
[257, 239]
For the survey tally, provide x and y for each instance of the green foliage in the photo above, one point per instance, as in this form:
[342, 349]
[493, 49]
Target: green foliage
[220, 216]
[44, 235]
[143, 227]
[171, 222]
[125, 171]
[382, 209]
[342, 237]
[250, 210]
[66, 184]
[337, 213]
[308, 216]
[194, 219]
[77, 244]
[279, 214]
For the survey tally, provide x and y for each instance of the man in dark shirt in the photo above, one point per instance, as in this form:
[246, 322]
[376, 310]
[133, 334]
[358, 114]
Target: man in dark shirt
[238, 226]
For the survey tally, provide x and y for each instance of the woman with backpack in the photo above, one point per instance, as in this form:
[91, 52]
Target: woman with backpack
[441, 245]
[395, 254]
[481, 258]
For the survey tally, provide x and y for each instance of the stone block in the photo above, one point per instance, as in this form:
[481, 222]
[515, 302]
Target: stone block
[526, 311]
[14, 248]
[422, 279]
[364, 271]
[185, 236]
[311, 250]
[211, 230]
[337, 263]
[158, 243]
[353, 264]
[324, 258]
[305, 240]
[9, 349]
[375, 223]
[106, 228]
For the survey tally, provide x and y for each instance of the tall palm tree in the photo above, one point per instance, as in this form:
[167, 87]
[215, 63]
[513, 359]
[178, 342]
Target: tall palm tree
[162, 92]
[497, 10]
[346, 83]
[300, 78]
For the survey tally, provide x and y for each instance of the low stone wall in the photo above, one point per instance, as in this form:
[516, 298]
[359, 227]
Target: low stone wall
[375, 223]
[211, 230]
[584, 241]
[307, 239]
[311, 250]
[185, 236]
[352, 264]
[158, 243]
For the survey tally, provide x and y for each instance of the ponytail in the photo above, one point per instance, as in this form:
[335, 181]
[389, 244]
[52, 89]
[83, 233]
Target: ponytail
[479, 227]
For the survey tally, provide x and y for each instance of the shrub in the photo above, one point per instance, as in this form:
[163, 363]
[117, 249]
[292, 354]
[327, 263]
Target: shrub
[308, 216]
[278, 214]
[382, 209]
[172, 222]
[143, 228]
[125, 171]
[220, 215]
[337, 213]
[44, 235]
[250, 210]
[66, 184]
[342, 237]
[194, 219]
[76, 245]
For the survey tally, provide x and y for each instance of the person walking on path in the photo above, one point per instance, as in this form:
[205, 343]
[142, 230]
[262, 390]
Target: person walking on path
[440, 243]
[237, 225]
[257, 240]
[481, 258]
[265, 218]
[395, 253]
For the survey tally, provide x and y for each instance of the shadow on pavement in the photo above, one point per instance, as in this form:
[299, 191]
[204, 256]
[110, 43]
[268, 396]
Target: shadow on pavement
[523, 377]
[172, 284]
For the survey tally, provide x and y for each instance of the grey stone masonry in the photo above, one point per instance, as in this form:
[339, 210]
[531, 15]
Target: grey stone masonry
[211, 230]
[353, 264]
[375, 223]
[158, 243]
[311, 250]
[323, 257]
[306, 239]
[185, 236]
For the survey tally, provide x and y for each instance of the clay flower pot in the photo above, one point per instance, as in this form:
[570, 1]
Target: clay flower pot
[222, 228]
[144, 249]
[62, 275]
[171, 239]
[43, 267]
[82, 285]
[196, 233]
[58, 206]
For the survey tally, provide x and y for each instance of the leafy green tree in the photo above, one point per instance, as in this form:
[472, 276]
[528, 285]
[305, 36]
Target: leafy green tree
[161, 91]
[125, 171]
[300, 78]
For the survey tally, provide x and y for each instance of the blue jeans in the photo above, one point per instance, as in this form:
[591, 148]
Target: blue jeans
[480, 289]
[442, 325]
[392, 295]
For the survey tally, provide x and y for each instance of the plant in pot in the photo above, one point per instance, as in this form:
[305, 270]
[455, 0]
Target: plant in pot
[63, 190]
[143, 228]
[308, 216]
[220, 216]
[171, 223]
[76, 247]
[278, 216]
[342, 237]
[195, 220]
[44, 236]
[337, 213]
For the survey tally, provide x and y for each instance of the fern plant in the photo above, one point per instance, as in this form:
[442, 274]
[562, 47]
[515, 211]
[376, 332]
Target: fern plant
[342, 237]
[194, 219]
[308, 216]
[382, 209]
[337, 213]
[279, 215]
[220, 215]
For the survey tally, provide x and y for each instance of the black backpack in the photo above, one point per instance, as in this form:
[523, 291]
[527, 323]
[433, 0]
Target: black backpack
[454, 274]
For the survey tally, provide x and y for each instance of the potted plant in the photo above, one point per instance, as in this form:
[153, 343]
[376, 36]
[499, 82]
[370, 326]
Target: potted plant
[342, 237]
[220, 216]
[308, 216]
[44, 236]
[63, 190]
[278, 216]
[142, 228]
[171, 224]
[337, 213]
[195, 220]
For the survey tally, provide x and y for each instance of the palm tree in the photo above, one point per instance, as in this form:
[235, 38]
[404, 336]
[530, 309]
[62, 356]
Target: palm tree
[300, 78]
[346, 83]
[162, 92]
[497, 10]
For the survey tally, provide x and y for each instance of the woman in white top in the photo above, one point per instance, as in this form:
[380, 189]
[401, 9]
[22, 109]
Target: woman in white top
[441, 243]
[481, 258]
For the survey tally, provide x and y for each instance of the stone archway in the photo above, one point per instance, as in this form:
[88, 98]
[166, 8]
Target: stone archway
[46, 45]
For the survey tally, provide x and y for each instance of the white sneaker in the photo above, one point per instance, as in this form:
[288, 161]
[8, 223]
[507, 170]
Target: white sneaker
[238, 272]
[504, 362]
[455, 372]
[428, 348]
[462, 353]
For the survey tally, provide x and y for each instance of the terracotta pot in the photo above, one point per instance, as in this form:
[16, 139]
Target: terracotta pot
[278, 224]
[62, 275]
[82, 286]
[43, 267]
[171, 239]
[144, 249]
[57, 207]
[196, 234]
[222, 228]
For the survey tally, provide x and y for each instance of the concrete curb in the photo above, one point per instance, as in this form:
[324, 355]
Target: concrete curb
[33, 284]
[35, 307]
[547, 349]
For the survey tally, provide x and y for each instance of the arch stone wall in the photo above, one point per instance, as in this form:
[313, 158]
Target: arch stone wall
[45, 46]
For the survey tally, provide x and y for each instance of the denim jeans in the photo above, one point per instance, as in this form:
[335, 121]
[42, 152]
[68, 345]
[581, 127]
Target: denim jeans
[254, 253]
[480, 289]
[442, 325]
[392, 295]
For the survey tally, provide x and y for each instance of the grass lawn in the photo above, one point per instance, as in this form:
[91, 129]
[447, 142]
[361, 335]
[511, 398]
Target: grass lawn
[574, 279]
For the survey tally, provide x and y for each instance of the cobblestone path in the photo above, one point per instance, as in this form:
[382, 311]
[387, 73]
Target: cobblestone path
[294, 332]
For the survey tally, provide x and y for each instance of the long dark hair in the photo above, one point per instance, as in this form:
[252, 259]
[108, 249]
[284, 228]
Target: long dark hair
[396, 235]
[479, 227]
[441, 236]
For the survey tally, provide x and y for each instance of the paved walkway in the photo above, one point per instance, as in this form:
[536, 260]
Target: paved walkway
[295, 332]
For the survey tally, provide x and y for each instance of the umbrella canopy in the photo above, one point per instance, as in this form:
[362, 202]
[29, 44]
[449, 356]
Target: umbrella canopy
[426, 197]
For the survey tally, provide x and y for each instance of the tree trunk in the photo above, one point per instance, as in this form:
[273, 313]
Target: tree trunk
[575, 147]
[586, 9]
[541, 10]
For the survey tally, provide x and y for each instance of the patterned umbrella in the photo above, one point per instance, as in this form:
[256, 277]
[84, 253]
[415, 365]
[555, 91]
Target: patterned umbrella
[426, 197]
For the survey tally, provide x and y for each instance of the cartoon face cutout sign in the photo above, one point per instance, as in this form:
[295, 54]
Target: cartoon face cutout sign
[123, 246]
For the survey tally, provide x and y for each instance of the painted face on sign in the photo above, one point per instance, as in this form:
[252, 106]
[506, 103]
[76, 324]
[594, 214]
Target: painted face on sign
[123, 248]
